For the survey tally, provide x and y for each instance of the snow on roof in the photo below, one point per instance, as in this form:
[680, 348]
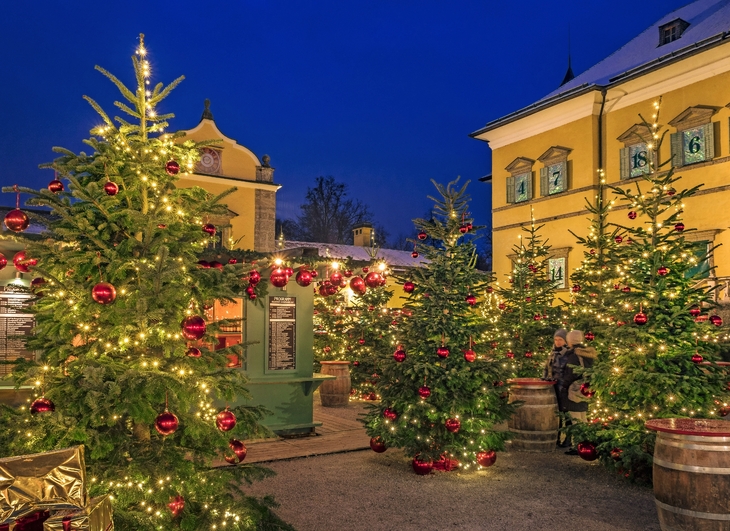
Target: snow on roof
[707, 18]
[392, 257]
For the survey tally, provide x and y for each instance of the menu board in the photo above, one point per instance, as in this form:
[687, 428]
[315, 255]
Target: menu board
[282, 333]
[14, 321]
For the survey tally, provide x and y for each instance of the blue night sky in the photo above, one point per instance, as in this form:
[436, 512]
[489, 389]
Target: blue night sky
[381, 95]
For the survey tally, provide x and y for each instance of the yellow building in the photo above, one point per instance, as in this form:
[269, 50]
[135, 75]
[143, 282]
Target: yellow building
[252, 219]
[546, 157]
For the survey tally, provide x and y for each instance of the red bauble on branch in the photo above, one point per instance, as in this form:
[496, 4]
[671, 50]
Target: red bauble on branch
[640, 318]
[335, 277]
[357, 285]
[176, 505]
[278, 278]
[632, 215]
[225, 420]
[422, 468]
[377, 445]
[254, 277]
[304, 278]
[442, 352]
[251, 292]
[209, 228]
[590, 336]
[42, 405]
[414, 254]
[716, 320]
[409, 286]
[695, 311]
[618, 239]
[166, 423]
[487, 458]
[193, 327]
[111, 188]
[373, 279]
[679, 227]
[55, 186]
[172, 167]
[3, 261]
[471, 300]
[470, 355]
[22, 263]
[576, 288]
[215, 264]
[662, 271]
[528, 354]
[390, 414]
[463, 229]
[193, 352]
[104, 293]
[399, 355]
[696, 358]
[424, 392]
[239, 449]
[17, 220]
[510, 354]
[422, 235]
[453, 425]
[587, 451]
[585, 390]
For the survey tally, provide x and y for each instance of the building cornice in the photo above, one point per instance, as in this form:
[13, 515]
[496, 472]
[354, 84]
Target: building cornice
[231, 181]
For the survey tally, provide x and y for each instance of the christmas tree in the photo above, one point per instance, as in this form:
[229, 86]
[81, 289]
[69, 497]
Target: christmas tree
[330, 312]
[124, 346]
[525, 320]
[440, 399]
[661, 342]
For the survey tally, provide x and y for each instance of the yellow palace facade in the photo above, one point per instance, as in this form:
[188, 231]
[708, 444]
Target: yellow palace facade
[547, 157]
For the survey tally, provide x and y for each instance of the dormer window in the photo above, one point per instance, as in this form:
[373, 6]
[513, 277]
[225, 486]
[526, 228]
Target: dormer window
[671, 31]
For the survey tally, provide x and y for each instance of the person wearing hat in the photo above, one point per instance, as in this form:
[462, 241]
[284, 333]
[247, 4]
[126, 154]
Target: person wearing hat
[576, 356]
[554, 370]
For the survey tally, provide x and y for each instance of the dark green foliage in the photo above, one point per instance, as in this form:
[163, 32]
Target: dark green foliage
[439, 315]
[110, 369]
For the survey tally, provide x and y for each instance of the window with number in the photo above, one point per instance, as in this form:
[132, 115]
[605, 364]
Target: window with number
[636, 157]
[519, 184]
[556, 271]
[696, 136]
[554, 173]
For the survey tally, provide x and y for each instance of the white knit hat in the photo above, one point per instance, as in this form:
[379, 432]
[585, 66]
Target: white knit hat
[575, 337]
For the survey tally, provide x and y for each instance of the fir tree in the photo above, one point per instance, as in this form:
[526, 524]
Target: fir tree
[440, 400]
[115, 358]
[661, 346]
[522, 330]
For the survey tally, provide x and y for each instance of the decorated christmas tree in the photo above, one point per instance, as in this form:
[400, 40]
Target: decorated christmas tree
[661, 344]
[127, 364]
[521, 331]
[330, 315]
[441, 395]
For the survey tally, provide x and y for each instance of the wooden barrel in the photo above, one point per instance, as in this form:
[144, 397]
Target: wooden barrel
[692, 474]
[535, 423]
[335, 393]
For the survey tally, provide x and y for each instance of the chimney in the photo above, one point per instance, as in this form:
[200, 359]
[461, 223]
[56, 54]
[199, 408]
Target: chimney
[363, 235]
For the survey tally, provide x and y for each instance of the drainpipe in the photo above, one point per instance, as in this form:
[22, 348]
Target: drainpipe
[604, 90]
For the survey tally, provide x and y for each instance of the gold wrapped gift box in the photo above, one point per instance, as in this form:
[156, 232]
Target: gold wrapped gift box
[47, 481]
[96, 517]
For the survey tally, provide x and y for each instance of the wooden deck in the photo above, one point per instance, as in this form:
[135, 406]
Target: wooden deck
[335, 435]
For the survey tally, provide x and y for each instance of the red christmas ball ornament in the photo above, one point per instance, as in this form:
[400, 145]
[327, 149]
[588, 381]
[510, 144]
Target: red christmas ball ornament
[632, 215]
[361, 340]
[408, 287]
[357, 285]
[225, 420]
[111, 188]
[161, 226]
[696, 358]
[365, 269]
[422, 235]
[424, 391]
[232, 261]
[209, 228]
[377, 445]
[528, 354]
[528, 299]
[3, 261]
[166, 423]
[618, 239]
[510, 354]
[671, 192]
[250, 291]
[662, 271]
[193, 327]
[471, 300]
[414, 254]
[204, 264]
[592, 251]
[172, 167]
[442, 352]
[16, 220]
[587, 451]
[238, 448]
[679, 227]
[585, 390]
[304, 278]
[176, 505]
[616, 286]
[463, 229]
[723, 411]
[469, 226]
[716, 320]
[640, 318]
[422, 468]
[55, 186]
[254, 277]
[288, 271]
[104, 293]
[576, 288]
[494, 344]
[590, 336]
[470, 355]
[616, 454]
[390, 414]
[626, 289]
[335, 277]
[36, 282]
[216, 265]
[347, 273]
[399, 355]
[694, 311]
[501, 306]
[331, 289]
[487, 458]
[372, 280]
[629, 241]
[42, 405]
[453, 425]
[537, 317]
[22, 263]
[278, 278]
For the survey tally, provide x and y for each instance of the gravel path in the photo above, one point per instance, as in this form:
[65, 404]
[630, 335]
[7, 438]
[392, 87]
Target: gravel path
[364, 491]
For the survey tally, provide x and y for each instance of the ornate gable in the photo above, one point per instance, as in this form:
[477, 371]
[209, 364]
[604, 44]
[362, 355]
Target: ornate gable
[635, 134]
[520, 165]
[554, 154]
[694, 116]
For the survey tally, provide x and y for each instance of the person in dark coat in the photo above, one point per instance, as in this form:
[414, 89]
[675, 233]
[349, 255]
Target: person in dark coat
[555, 368]
[577, 355]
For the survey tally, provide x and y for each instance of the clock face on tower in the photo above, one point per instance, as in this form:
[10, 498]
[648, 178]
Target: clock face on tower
[210, 161]
[556, 178]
